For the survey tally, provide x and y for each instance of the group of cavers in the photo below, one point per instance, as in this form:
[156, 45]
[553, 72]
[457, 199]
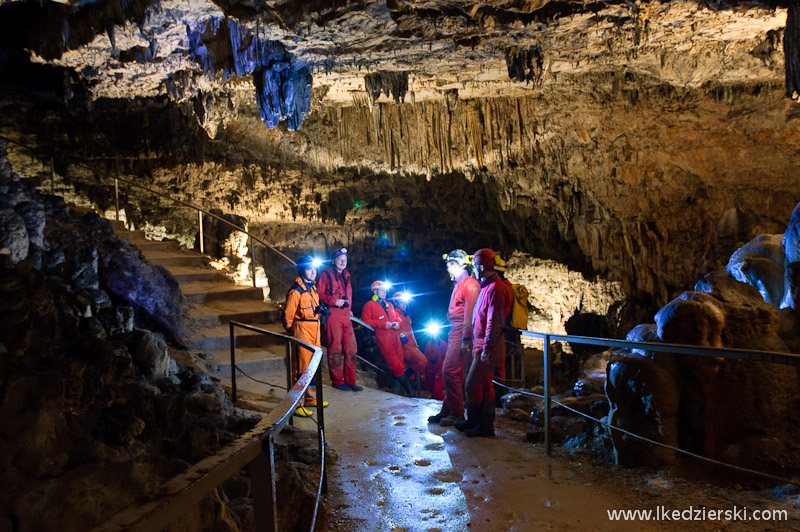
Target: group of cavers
[480, 312]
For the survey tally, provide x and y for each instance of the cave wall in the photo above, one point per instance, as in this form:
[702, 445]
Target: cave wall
[639, 182]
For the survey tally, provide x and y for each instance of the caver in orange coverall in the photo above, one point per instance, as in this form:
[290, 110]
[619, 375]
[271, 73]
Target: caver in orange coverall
[302, 320]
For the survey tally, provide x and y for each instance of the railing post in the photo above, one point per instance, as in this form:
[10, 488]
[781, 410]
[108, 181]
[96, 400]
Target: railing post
[546, 355]
[321, 422]
[253, 259]
[289, 373]
[262, 474]
[200, 224]
[233, 364]
[116, 197]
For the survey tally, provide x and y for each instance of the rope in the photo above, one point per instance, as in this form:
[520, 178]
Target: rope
[648, 440]
[370, 363]
[321, 473]
[262, 382]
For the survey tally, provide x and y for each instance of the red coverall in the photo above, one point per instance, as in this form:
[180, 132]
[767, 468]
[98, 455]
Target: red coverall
[339, 336]
[300, 319]
[379, 313]
[435, 350]
[411, 354]
[501, 364]
[487, 331]
[459, 313]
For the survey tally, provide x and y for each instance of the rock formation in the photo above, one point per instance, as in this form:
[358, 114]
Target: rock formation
[738, 411]
[94, 410]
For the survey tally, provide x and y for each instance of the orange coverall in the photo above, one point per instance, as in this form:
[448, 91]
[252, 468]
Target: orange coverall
[302, 322]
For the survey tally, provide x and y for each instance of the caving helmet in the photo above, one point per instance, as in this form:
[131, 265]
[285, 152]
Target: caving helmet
[484, 257]
[459, 256]
[499, 264]
[305, 262]
[381, 285]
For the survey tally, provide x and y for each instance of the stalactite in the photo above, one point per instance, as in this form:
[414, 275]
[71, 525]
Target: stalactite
[791, 49]
[475, 128]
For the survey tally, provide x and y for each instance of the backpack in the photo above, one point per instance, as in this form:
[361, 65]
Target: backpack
[519, 311]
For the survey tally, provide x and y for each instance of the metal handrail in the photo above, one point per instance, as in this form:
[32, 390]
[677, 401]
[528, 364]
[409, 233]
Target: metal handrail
[182, 493]
[164, 195]
[789, 359]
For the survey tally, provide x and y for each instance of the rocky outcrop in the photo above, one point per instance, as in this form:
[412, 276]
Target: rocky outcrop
[739, 411]
[94, 410]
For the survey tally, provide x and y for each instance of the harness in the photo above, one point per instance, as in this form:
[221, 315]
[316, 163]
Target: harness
[345, 281]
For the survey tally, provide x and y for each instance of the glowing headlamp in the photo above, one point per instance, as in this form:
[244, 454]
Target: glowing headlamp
[315, 262]
[405, 297]
[387, 285]
[433, 328]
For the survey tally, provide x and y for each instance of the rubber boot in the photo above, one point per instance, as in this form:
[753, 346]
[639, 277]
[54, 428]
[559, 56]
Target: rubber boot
[485, 425]
[407, 386]
[397, 386]
[473, 416]
[436, 418]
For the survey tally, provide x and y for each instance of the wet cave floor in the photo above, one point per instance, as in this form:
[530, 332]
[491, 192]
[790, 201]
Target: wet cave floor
[395, 472]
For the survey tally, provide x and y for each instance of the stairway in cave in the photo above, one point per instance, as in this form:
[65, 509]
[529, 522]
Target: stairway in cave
[212, 302]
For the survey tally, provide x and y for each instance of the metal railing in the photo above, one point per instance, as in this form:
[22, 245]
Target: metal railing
[200, 211]
[789, 359]
[182, 493]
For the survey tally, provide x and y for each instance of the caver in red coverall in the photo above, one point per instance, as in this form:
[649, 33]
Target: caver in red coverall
[487, 331]
[505, 284]
[435, 351]
[300, 318]
[379, 313]
[411, 354]
[339, 336]
[459, 313]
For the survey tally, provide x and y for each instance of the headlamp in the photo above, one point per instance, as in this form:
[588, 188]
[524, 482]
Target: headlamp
[315, 262]
[405, 297]
[433, 328]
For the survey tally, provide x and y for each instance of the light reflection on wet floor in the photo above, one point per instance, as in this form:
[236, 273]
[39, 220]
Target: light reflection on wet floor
[395, 472]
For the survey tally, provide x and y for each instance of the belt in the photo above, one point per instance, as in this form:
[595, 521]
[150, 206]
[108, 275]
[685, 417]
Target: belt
[301, 319]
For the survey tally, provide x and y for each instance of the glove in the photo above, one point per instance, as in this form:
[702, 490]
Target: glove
[466, 347]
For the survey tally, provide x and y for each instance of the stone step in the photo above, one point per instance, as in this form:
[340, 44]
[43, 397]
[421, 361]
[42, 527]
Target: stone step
[187, 274]
[157, 245]
[134, 237]
[118, 226]
[218, 338]
[223, 311]
[205, 291]
[169, 260]
[263, 366]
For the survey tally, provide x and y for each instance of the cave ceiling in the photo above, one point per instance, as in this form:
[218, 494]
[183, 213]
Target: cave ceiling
[389, 50]
[639, 140]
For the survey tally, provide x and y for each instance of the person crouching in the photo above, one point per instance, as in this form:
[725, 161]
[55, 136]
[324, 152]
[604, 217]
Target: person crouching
[381, 316]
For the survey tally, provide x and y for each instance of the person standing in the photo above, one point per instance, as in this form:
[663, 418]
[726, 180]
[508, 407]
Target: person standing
[336, 292]
[382, 317]
[511, 337]
[413, 358]
[435, 351]
[487, 331]
[459, 339]
[301, 319]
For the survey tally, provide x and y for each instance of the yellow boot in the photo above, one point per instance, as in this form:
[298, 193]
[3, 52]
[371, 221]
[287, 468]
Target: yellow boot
[302, 412]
